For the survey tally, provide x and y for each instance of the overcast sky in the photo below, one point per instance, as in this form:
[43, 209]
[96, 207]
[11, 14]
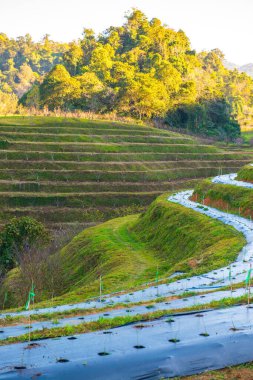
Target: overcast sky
[223, 24]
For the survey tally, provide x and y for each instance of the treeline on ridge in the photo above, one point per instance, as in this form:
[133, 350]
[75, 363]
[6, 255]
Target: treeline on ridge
[141, 69]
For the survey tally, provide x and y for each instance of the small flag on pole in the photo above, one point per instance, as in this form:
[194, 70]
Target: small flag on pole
[247, 280]
[30, 298]
[230, 274]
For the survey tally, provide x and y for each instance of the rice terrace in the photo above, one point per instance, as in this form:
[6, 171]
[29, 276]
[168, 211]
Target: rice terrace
[126, 190]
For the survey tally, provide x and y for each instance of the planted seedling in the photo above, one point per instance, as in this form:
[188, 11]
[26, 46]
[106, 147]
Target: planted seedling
[62, 360]
[140, 326]
[139, 346]
[233, 328]
[32, 345]
[55, 322]
[150, 307]
[204, 334]
[19, 367]
[103, 353]
[174, 340]
[170, 320]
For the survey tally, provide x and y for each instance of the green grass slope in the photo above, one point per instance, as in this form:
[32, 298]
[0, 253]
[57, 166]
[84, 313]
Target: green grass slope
[72, 172]
[245, 174]
[126, 252]
[233, 199]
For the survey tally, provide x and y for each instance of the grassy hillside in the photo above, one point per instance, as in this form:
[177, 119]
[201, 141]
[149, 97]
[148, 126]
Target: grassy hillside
[126, 251]
[72, 172]
[234, 199]
[246, 174]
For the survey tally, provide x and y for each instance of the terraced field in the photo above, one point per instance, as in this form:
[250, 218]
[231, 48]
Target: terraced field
[99, 338]
[71, 172]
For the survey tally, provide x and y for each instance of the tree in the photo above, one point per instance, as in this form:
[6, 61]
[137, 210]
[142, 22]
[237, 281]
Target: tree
[31, 98]
[213, 118]
[8, 103]
[18, 236]
[73, 58]
[24, 79]
[101, 61]
[59, 89]
[145, 96]
[91, 89]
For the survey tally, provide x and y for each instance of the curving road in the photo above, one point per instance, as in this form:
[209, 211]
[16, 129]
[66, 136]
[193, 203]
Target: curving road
[226, 339]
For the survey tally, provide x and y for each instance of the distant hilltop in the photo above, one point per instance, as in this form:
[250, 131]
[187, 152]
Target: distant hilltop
[248, 68]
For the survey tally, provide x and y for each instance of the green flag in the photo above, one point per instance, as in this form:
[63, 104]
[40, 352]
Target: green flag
[30, 298]
[230, 274]
[247, 280]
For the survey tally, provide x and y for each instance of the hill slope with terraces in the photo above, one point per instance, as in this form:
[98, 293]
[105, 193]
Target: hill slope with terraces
[72, 172]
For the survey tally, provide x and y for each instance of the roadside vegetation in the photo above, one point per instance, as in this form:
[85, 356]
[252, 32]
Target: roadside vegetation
[229, 198]
[245, 174]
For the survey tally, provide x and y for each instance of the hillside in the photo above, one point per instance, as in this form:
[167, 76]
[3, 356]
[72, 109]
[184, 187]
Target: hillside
[72, 172]
[127, 251]
[245, 174]
[229, 198]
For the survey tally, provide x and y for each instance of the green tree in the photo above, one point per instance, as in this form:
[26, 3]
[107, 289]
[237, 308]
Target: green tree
[17, 236]
[145, 97]
[73, 58]
[59, 89]
[8, 103]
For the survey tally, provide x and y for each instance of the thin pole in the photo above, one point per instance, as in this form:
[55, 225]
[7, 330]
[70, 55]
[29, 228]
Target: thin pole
[157, 281]
[249, 286]
[100, 288]
[29, 327]
[33, 292]
[230, 276]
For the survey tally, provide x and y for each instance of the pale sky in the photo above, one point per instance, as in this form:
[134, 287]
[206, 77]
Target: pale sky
[223, 24]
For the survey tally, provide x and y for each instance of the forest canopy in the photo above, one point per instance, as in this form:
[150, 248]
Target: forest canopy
[141, 69]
